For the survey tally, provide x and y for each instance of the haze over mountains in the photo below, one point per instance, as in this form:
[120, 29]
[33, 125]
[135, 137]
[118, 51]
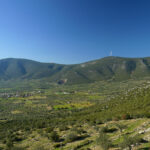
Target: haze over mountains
[108, 68]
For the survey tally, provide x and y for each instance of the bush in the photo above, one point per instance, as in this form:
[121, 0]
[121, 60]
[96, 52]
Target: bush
[17, 138]
[108, 130]
[78, 130]
[1, 148]
[54, 136]
[40, 125]
[57, 145]
[103, 141]
[72, 136]
[63, 128]
[126, 117]
[86, 142]
[9, 144]
[120, 127]
[99, 121]
[49, 129]
[128, 141]
[104, 129]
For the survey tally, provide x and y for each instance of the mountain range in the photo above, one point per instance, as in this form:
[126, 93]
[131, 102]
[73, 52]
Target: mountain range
[108, 68]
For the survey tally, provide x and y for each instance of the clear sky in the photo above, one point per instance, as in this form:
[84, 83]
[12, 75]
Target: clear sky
[74, 31]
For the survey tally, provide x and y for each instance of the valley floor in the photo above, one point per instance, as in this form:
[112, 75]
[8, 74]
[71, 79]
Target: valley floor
[102, 115]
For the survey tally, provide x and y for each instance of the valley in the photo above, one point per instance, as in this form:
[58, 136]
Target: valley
[76, 115]
[37, 114]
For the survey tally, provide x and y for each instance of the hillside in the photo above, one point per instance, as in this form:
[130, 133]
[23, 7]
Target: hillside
[87, 117]
[114, 68]
[26, 69]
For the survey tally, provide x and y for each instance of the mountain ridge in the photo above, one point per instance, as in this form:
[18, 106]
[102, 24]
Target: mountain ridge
[107, 68]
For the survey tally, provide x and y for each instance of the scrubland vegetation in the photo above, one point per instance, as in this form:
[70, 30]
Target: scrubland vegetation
[101, 115]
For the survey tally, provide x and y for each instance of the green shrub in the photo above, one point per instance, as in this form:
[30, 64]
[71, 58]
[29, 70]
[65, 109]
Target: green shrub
[103, 141]
[49, 129]
[57, 145]
[128, 141]
[126, 117]
[78, 130]
[86, 142]
[72, 136]
[1, 148]
[99, 121]
[54, 136]
[40, 125]
[63, 128]
[107, 130]
[9, 144]
[120, 127]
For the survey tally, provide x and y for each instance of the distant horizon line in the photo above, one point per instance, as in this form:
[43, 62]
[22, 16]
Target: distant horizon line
[21, 58]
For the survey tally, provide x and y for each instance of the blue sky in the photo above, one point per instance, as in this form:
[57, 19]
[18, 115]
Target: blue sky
[74, 31]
